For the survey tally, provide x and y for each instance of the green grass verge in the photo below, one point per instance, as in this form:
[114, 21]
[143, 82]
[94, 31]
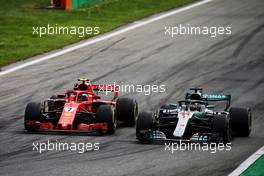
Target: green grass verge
[256, 169]
[17, 18]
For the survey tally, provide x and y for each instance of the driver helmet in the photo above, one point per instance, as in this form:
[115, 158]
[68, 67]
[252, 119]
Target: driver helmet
[83, 97]
[195, 107]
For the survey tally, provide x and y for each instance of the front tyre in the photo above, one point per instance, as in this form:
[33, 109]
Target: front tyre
[105, 114]
[144, 124]
[32, 113]
[221, 126]
[227, 135]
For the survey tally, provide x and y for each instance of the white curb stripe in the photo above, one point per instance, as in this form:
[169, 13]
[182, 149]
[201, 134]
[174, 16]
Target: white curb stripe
[103, 37]
[248, 162]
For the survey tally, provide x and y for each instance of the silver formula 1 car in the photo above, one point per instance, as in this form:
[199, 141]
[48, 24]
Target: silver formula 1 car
[199, 117]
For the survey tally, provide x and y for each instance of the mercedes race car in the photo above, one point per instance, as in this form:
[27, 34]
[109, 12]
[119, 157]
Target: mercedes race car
[81, 110]
[199, 117]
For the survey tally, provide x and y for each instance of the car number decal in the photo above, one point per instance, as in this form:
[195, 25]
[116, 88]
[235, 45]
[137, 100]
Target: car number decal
[183, 118]
[69, 109]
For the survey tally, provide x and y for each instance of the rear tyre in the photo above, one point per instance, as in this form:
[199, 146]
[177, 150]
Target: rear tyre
[32, 113]
[105, 114]
[127, 111]
[144, 123]
[241, 121]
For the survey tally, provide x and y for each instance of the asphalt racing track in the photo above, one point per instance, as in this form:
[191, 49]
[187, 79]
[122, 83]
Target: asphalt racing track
[233, 63]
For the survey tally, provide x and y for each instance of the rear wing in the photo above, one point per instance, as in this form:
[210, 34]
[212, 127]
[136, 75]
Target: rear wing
[218, 97]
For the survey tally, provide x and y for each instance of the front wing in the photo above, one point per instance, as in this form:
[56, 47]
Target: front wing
[82, 128]
[152, 136]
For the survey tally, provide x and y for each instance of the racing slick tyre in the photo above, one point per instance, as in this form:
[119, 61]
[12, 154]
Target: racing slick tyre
[127, 111]
[144, 123]
[227, 135]
[221, 125]
[241, 121]
[32, 113]
[105, 114]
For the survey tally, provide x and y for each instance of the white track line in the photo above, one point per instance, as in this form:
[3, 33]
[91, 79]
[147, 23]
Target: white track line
[248, 162]
[103, 37]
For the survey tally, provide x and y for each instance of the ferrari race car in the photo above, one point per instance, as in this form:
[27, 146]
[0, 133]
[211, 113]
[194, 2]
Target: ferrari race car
[199, 117]
[81, 110]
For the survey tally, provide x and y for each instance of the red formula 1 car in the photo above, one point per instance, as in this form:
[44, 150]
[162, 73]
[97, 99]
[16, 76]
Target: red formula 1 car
[81, 110]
